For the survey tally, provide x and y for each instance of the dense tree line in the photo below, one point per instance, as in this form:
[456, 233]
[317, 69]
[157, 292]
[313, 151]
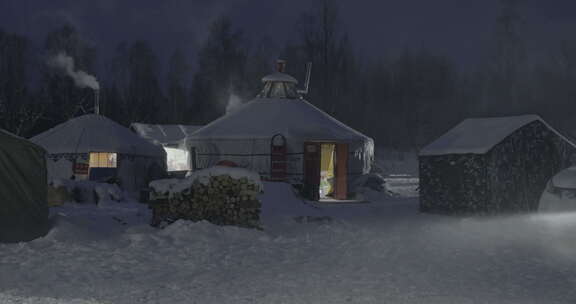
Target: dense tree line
[403, 102]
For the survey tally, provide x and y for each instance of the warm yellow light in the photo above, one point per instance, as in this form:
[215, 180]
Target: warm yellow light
[103, 160]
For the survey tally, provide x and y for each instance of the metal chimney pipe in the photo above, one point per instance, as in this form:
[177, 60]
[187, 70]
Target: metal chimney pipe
[307, 81]
[97, 102]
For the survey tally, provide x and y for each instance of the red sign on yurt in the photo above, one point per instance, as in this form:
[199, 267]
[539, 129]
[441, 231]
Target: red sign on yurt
[81, 168]
[278, 161]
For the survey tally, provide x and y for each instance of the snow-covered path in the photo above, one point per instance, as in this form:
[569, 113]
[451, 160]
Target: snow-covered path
[383, 252]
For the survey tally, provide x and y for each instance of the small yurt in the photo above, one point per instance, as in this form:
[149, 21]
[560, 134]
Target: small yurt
[285, 138]
[23, 189]
[94, 141]
[492, 165]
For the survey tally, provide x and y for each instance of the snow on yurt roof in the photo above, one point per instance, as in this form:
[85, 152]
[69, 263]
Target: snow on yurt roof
[265, 117]
[94, 133]
[164, 134]
[280, 77]
[479, 135]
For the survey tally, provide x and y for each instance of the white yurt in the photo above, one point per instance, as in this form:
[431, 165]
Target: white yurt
[285, 138]
[94, 141]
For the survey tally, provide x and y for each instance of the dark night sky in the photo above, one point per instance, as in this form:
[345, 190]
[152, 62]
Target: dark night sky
[461, 29]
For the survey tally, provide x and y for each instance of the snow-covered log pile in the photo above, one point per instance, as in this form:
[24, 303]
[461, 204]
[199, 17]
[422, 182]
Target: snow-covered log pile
[220, 195]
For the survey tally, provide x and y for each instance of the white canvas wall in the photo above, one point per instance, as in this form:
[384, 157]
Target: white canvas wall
[60, 169]
[134, 172]
[254, 154]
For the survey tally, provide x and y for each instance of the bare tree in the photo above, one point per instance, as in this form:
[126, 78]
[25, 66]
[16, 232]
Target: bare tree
[221, 66]
[65, 98]
[19, 112]
[509, 58]
[178, 69]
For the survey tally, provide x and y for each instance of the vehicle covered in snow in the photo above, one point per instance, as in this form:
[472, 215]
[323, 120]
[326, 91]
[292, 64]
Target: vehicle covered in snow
[560, 194]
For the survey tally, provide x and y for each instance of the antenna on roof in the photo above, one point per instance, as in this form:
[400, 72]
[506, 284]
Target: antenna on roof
[307, 81]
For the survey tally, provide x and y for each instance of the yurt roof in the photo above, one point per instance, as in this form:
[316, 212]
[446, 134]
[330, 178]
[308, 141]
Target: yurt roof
[264, 117]
[279, 77]
[95, 133]
[164, 134]
[479, 135]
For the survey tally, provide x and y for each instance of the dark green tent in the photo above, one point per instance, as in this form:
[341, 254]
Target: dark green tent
[23, 187]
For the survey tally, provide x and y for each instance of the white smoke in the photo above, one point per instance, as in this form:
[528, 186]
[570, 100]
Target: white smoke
[81, 78]
[234, 102]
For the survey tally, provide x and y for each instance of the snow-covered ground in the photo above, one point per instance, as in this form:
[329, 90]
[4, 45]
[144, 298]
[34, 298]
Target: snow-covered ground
[380, 252]
[394, 162]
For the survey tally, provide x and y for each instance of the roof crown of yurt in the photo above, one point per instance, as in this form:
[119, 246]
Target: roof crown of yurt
[285, 138]
[94, 147]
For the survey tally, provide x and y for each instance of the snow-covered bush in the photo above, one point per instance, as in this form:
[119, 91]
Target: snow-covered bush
[82, 191]
[220, 195]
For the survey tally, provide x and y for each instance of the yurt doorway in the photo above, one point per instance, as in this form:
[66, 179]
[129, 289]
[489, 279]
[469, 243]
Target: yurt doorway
[325, 171]
[327, 176]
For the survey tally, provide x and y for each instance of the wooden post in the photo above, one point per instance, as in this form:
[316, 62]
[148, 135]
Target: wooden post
[341, 168]
[312, 171]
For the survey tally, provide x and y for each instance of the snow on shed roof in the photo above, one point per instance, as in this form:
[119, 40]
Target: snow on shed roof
[164, 134]
[94, 133]
[265, 117]
[479, 135]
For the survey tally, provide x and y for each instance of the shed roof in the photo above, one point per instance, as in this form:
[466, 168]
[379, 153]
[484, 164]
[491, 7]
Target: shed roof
[479, 135]
[164, 134]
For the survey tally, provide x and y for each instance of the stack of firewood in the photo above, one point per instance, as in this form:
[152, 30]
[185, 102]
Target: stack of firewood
[221, 200]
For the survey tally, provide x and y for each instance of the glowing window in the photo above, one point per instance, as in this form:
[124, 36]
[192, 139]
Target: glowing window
[177, 159]
[103, 160]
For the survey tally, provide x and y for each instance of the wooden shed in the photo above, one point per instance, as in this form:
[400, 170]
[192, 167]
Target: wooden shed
[492, 166]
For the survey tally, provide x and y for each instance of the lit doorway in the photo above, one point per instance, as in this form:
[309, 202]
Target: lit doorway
[327, 176]
[325, 171]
